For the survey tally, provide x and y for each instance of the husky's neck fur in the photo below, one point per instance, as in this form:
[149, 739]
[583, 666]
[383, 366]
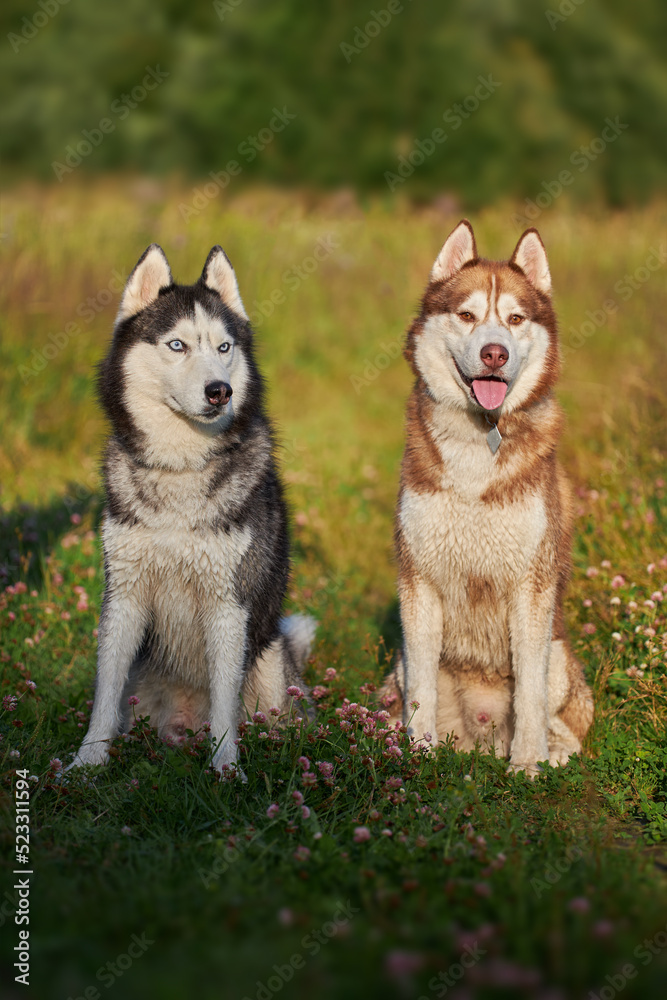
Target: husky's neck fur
[447, 447]
[168, 440]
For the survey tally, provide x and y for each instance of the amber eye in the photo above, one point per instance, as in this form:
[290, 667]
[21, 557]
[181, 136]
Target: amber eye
[467, 316]
[515, 319]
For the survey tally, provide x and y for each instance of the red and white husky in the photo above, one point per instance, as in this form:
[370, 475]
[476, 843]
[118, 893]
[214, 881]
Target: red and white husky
[484, 518]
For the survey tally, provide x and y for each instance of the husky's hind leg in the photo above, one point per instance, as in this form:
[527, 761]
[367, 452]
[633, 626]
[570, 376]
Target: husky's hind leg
[281, 664]
[391, 693]
[266, 683]
[570, 704]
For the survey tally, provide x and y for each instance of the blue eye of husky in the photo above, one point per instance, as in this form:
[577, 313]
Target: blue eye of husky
[176, 345]
[224, 348]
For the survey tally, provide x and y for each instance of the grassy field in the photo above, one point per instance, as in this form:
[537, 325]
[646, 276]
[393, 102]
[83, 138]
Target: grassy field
[377, 873]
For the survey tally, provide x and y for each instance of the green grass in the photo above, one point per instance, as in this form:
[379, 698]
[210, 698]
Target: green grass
[559, 881]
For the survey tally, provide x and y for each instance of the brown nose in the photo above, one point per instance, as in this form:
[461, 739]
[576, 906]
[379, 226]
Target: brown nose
[494, 356]
[218, 393]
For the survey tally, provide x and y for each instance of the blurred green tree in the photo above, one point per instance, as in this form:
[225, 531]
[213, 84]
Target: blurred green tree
[368, 86]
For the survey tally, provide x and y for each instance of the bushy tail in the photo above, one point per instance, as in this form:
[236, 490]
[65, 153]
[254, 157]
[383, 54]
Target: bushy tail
[299, 631]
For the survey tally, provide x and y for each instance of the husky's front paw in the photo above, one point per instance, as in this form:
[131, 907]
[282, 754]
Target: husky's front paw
[530, 770]
[90, 753]
[428, 742]
[225, 762]
[560, 753]
[422, 728]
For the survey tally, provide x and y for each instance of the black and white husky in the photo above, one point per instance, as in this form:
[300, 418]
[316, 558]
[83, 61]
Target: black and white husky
[195, 531]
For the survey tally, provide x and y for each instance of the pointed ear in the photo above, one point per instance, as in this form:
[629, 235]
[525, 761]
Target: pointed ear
[151, 274]
[219, 276]
[531, 257]
[457, 250]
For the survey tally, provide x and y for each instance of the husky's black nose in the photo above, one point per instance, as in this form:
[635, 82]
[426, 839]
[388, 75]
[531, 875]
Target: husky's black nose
[218, 393]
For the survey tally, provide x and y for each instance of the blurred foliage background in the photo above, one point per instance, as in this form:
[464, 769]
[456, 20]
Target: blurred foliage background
[364, 87]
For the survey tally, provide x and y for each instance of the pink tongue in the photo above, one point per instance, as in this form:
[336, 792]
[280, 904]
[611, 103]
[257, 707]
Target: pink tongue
[489, 394]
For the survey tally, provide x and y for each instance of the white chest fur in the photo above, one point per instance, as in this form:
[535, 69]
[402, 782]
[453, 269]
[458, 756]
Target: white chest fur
[174, 558]
[454, 535]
